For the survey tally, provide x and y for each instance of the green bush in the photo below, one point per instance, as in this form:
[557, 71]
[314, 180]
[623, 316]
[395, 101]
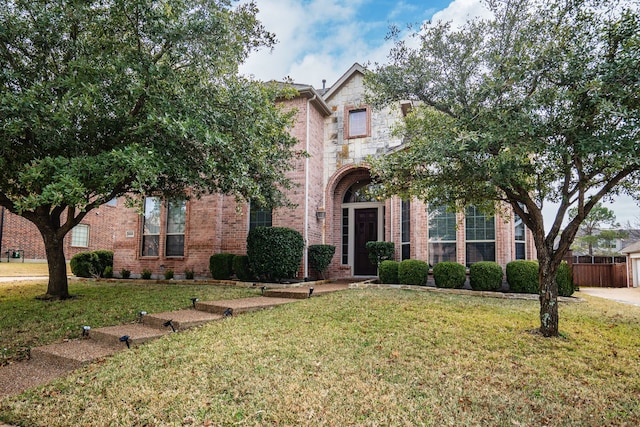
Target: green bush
[388, 272]
[108, 272]
[274, 252]
[413, 272]
[320, 257]
[168, 274]
[448, 274]
[565, 280]
[189, 274]
[221, 266]
[85, 264]
[146, 274]
[125, 274]
[485, 276]
[380, 251]
[105, 259]
[522, 276]
[241, 268]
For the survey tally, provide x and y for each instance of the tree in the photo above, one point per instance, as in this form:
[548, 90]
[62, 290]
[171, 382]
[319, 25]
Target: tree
[537, 104]
[589, 233]
[108, 98]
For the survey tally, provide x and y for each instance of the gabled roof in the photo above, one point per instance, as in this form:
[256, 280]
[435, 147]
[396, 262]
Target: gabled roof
[632, 248]
[355, 68]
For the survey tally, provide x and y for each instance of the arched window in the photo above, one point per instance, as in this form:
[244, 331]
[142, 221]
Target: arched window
[360, 192]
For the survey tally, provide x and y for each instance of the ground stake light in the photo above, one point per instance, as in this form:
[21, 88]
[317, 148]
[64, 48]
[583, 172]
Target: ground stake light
[310, 292]
[194, 301]
[141, 314]
[125, 339]
[169, 323]
[85, 331]
[228, 312]
[262, 289]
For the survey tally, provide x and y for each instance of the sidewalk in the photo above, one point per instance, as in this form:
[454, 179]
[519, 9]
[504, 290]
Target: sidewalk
[623, 295]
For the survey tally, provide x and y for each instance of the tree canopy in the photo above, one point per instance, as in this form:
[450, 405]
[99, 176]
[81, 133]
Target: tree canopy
[538, 104]
[111, 97]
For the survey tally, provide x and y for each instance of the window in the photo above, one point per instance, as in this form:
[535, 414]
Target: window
[442, 235]
[480, 233]
[406, 229]
[80, 236]
[151, 227]
[176, 214]
[520, 238]
[345, 236]
[357, 122]
[259, 217]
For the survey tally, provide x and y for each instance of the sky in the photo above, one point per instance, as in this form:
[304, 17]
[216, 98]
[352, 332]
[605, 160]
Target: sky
[322, 39]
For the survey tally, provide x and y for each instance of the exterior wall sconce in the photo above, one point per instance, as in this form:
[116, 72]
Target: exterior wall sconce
[321, 214]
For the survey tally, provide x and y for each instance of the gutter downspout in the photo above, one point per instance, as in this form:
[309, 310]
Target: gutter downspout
[306, 190]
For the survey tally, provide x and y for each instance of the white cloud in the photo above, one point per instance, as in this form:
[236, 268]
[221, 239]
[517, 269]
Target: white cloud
[460, 11]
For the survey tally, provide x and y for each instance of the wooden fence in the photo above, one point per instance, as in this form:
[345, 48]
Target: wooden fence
[600, 275]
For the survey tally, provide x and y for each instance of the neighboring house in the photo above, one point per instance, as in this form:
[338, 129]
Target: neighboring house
[633, 263]
[611, 244]
[21, 237]
[339, 131]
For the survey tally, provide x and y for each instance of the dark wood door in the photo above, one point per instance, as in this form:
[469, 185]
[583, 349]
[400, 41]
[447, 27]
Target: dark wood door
[366, 230]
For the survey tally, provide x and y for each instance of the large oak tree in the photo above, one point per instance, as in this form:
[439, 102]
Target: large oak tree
[103, 98]
[539, 104]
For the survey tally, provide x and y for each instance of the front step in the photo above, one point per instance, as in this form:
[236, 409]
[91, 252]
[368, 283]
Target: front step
[304, 291]
[113, 335]
[71, 354]
[181, 319]
[242, 305]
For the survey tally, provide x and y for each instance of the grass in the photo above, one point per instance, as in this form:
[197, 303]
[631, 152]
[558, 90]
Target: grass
[366, 357]
[26, 322]
[22, 269]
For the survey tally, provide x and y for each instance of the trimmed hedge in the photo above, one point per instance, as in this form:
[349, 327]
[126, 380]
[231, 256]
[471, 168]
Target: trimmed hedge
[449, 274]
[388, 273]
[564, 278]
[91, 264]
[380, 251]
[242, 269]
[274, 252]
[413, 272]
[522, 277]
[485, 276]
[221, 266]
[320, 257]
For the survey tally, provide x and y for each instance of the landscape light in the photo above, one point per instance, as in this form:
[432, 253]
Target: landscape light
[194, 301]
[262, 289]
[228, 312]
[169, 323]
[310, 292]
[125, 339]
[141, 314]
[85, 331]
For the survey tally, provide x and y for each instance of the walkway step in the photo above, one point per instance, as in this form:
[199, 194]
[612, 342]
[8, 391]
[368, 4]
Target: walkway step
[180, 319]
[242, 305]
[304, 291]
[71, 354]
[113, 336]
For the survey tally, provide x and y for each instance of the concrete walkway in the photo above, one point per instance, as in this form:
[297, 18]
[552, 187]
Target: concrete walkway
[623, 295]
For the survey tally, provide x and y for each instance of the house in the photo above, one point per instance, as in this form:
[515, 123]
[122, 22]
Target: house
[633, 263]
[339, 131]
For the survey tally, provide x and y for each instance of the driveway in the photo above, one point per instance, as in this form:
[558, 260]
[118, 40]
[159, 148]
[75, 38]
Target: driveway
[623, 295]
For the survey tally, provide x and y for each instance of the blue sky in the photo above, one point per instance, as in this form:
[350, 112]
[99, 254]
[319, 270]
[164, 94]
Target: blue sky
[321, 39]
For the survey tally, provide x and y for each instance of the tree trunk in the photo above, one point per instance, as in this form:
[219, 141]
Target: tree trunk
[547, 273]
[58, 287]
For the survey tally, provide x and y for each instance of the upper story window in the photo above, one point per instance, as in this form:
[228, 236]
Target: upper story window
[442, 235]
[357, 122]
[80, 236]
[151, 227]
[259, 217]
[480, 233]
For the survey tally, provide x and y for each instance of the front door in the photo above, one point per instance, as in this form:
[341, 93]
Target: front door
[366, 230]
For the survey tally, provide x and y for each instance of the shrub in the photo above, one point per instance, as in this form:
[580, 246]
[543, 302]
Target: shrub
[413, 272]
[320, 257]
[108, 272]
[241, 268]
[146, 274]
[189, 274]
[105, 259]
[125, 274]
[274, 252]
[380, 251]
[522, 276]
[485, 276]
[565, 280]
[168, 274]
[388, 271]
[85, 264]
[221, 266]
[448, 274]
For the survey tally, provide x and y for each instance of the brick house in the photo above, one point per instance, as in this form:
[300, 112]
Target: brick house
[339, 131]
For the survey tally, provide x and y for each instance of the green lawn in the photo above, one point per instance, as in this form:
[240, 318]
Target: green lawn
[364, 357]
